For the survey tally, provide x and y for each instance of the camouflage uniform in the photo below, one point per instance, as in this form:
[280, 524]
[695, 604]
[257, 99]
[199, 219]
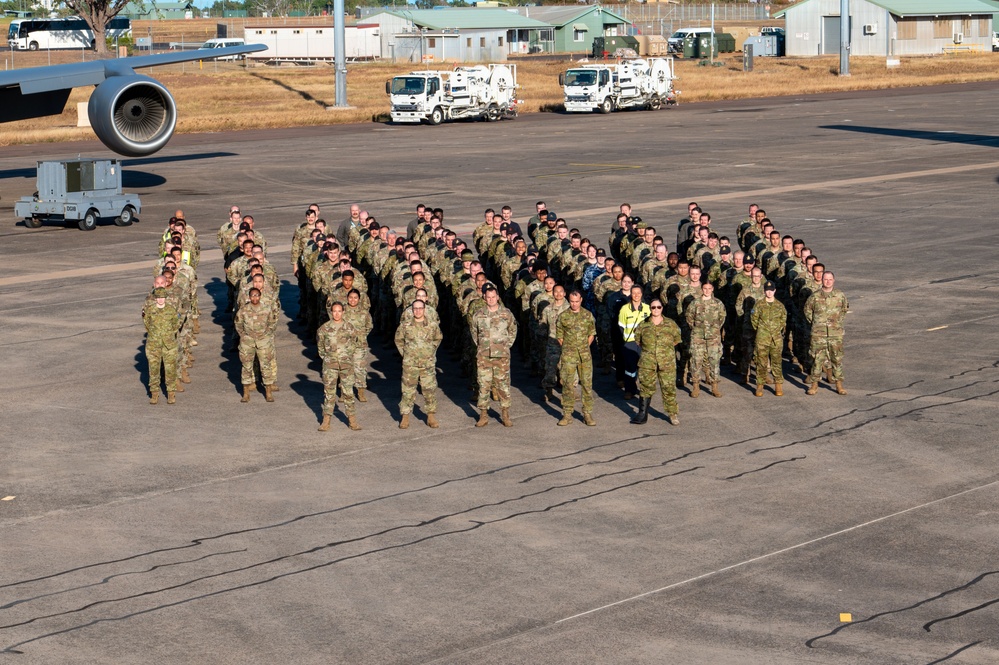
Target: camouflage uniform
[768, 320]
[493, 333]
[256, 325]
[748, 298]
[161, 345]
[553, 351]
[573, 331]
[658, 361]
[826, 312]
[417, 341]
[360, 318]
[337, 343]
[705, 318]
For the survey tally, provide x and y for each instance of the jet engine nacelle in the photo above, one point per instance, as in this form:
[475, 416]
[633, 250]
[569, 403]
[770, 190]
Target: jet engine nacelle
[133, 115]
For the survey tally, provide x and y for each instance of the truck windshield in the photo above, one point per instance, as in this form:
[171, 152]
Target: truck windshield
[580, 77]
[680, 34]
[408, 85]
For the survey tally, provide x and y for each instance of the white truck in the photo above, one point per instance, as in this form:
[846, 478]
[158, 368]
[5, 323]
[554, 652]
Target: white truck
[632, 84]
[482, 91]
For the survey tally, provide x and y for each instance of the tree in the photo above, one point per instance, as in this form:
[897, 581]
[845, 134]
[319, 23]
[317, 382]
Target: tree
[97, 14]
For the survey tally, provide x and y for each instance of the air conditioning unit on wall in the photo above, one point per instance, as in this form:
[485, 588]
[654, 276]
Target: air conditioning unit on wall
[958, 37]
[871, 29]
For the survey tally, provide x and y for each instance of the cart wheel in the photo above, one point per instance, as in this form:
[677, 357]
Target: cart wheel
[127, 216]
[89, 221]
[33, 222]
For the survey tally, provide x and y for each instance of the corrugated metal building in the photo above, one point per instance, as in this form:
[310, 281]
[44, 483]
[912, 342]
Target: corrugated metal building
[576, 27]
[459, 35]
[889, 27]
[304, 43]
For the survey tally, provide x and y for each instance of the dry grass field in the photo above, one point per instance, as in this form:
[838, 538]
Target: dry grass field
[224, 96]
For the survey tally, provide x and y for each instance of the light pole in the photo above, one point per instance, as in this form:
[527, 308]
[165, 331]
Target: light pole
[844, 37]
[339, 54]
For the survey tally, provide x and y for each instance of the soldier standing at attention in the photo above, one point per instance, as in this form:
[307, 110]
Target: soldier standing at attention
[658, 338]
[337, 341]
[705, 316]
[494, 331]
[553, 351]
[768, 319]
[417, 339]
[256, 323]
[360, 318]
[162, 323]
[826, 310]
[575, 331]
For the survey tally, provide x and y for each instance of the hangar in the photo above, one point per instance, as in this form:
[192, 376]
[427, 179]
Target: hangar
[889, 27]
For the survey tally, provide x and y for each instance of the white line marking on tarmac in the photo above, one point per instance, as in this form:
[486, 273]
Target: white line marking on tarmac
[775, 553]
[937, 328]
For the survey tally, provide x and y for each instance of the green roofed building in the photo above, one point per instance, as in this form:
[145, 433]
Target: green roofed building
[889, 27]
[577, 27]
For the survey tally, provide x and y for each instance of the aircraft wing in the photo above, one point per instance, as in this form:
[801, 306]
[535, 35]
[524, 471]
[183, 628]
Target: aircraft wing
[33, 80]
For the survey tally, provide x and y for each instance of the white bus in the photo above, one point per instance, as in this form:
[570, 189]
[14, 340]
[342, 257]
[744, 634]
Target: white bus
[32, 34]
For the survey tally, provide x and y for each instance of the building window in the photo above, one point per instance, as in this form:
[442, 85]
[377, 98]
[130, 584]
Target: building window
[273, 32]
[984, 27]
[578, 35]
[907, 28]
[500, 42]
[482, 42]
[966, 27]
[943, 28]
[431, 42]
[260, 32]
[319, 32]
[468, 42]
[297, 32]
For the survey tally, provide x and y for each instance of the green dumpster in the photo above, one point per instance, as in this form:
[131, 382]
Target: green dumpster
[726, 42]
[705, 43]
[690, 46]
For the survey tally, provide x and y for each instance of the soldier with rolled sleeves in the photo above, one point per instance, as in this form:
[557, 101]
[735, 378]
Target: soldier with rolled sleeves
[162, 323]
[575, 331]
[825, 310]
[337, 342]
[256, 323]
[494, 331]
[768, 319]
[705, 316]
[417, 339]
[658, 337]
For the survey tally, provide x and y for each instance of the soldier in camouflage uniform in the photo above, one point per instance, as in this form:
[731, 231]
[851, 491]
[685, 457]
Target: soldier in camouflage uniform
[705, 316]
[162, 323]
[298, 242]
[360, 318]
[768, 319]
[494, 331]
[337, 342]
[826, 311]
[658, 338]
[256, 323]
[575, 331]
[553, 352]
[417, 339]
[749, 295]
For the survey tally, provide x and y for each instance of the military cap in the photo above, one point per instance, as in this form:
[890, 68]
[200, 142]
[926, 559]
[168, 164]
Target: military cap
[320, 238]
[160, 292]
[769, 286]
[601, 252]
[749, 259]
[634, 219]
[467, 255]
[724, 250]
[552, 217]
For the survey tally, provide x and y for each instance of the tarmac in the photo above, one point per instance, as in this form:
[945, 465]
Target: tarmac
[827, 529]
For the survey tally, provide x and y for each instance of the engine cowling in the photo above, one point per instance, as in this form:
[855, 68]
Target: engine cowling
[132, 115]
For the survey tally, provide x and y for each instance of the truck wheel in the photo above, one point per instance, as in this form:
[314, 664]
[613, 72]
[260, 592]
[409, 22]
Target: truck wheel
[89, 221]
[606, 106]
[655, 103]
[493, 113]
[33, 222]
[126, 217]
[436, 116]
[33, 46]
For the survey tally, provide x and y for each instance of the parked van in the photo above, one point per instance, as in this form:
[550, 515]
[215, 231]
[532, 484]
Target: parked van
[675, 41]
[223, 42]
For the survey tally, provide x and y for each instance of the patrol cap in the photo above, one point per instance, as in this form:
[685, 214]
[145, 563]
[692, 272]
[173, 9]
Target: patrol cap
[552, 217]
[724, 250]
[601, 252]
[467, 255]
[749, 259]
[320, 238]
[769, 286]
[160, 292]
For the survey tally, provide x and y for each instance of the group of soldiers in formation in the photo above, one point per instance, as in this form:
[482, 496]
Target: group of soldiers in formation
[654, 317]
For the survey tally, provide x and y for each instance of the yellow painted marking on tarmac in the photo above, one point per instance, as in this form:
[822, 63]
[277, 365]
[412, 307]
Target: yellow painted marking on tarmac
[845, 617]
[937, 328]
[8, 498]
[615, 167]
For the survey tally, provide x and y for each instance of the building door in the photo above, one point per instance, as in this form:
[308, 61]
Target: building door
[830, 35]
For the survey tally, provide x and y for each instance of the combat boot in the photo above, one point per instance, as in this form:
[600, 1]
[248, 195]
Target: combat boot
[839, 388]
[674, 419]
[812, 388]
[179, 387]
[828, 372]
[759, 389]
[246, 394]
[196, 327]
[404, 423]
[171, 398]
[566, 419]
[483, 418]
[184, 376]
[588, 420]
[779, 390]
[696, 390]
[325, 426]
[352, 423]
[549, 395]
[274, 387]
[267, 394]
[361, 397]
[714, 390]
[505, 417]
[642, 416]
[154, 398]
[432, 421]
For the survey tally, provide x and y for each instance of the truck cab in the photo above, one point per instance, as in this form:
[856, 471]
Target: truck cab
[588, 88]
[416, 97]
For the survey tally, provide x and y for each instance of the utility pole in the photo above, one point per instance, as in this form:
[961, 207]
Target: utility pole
[844, 37]
[340, 54]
